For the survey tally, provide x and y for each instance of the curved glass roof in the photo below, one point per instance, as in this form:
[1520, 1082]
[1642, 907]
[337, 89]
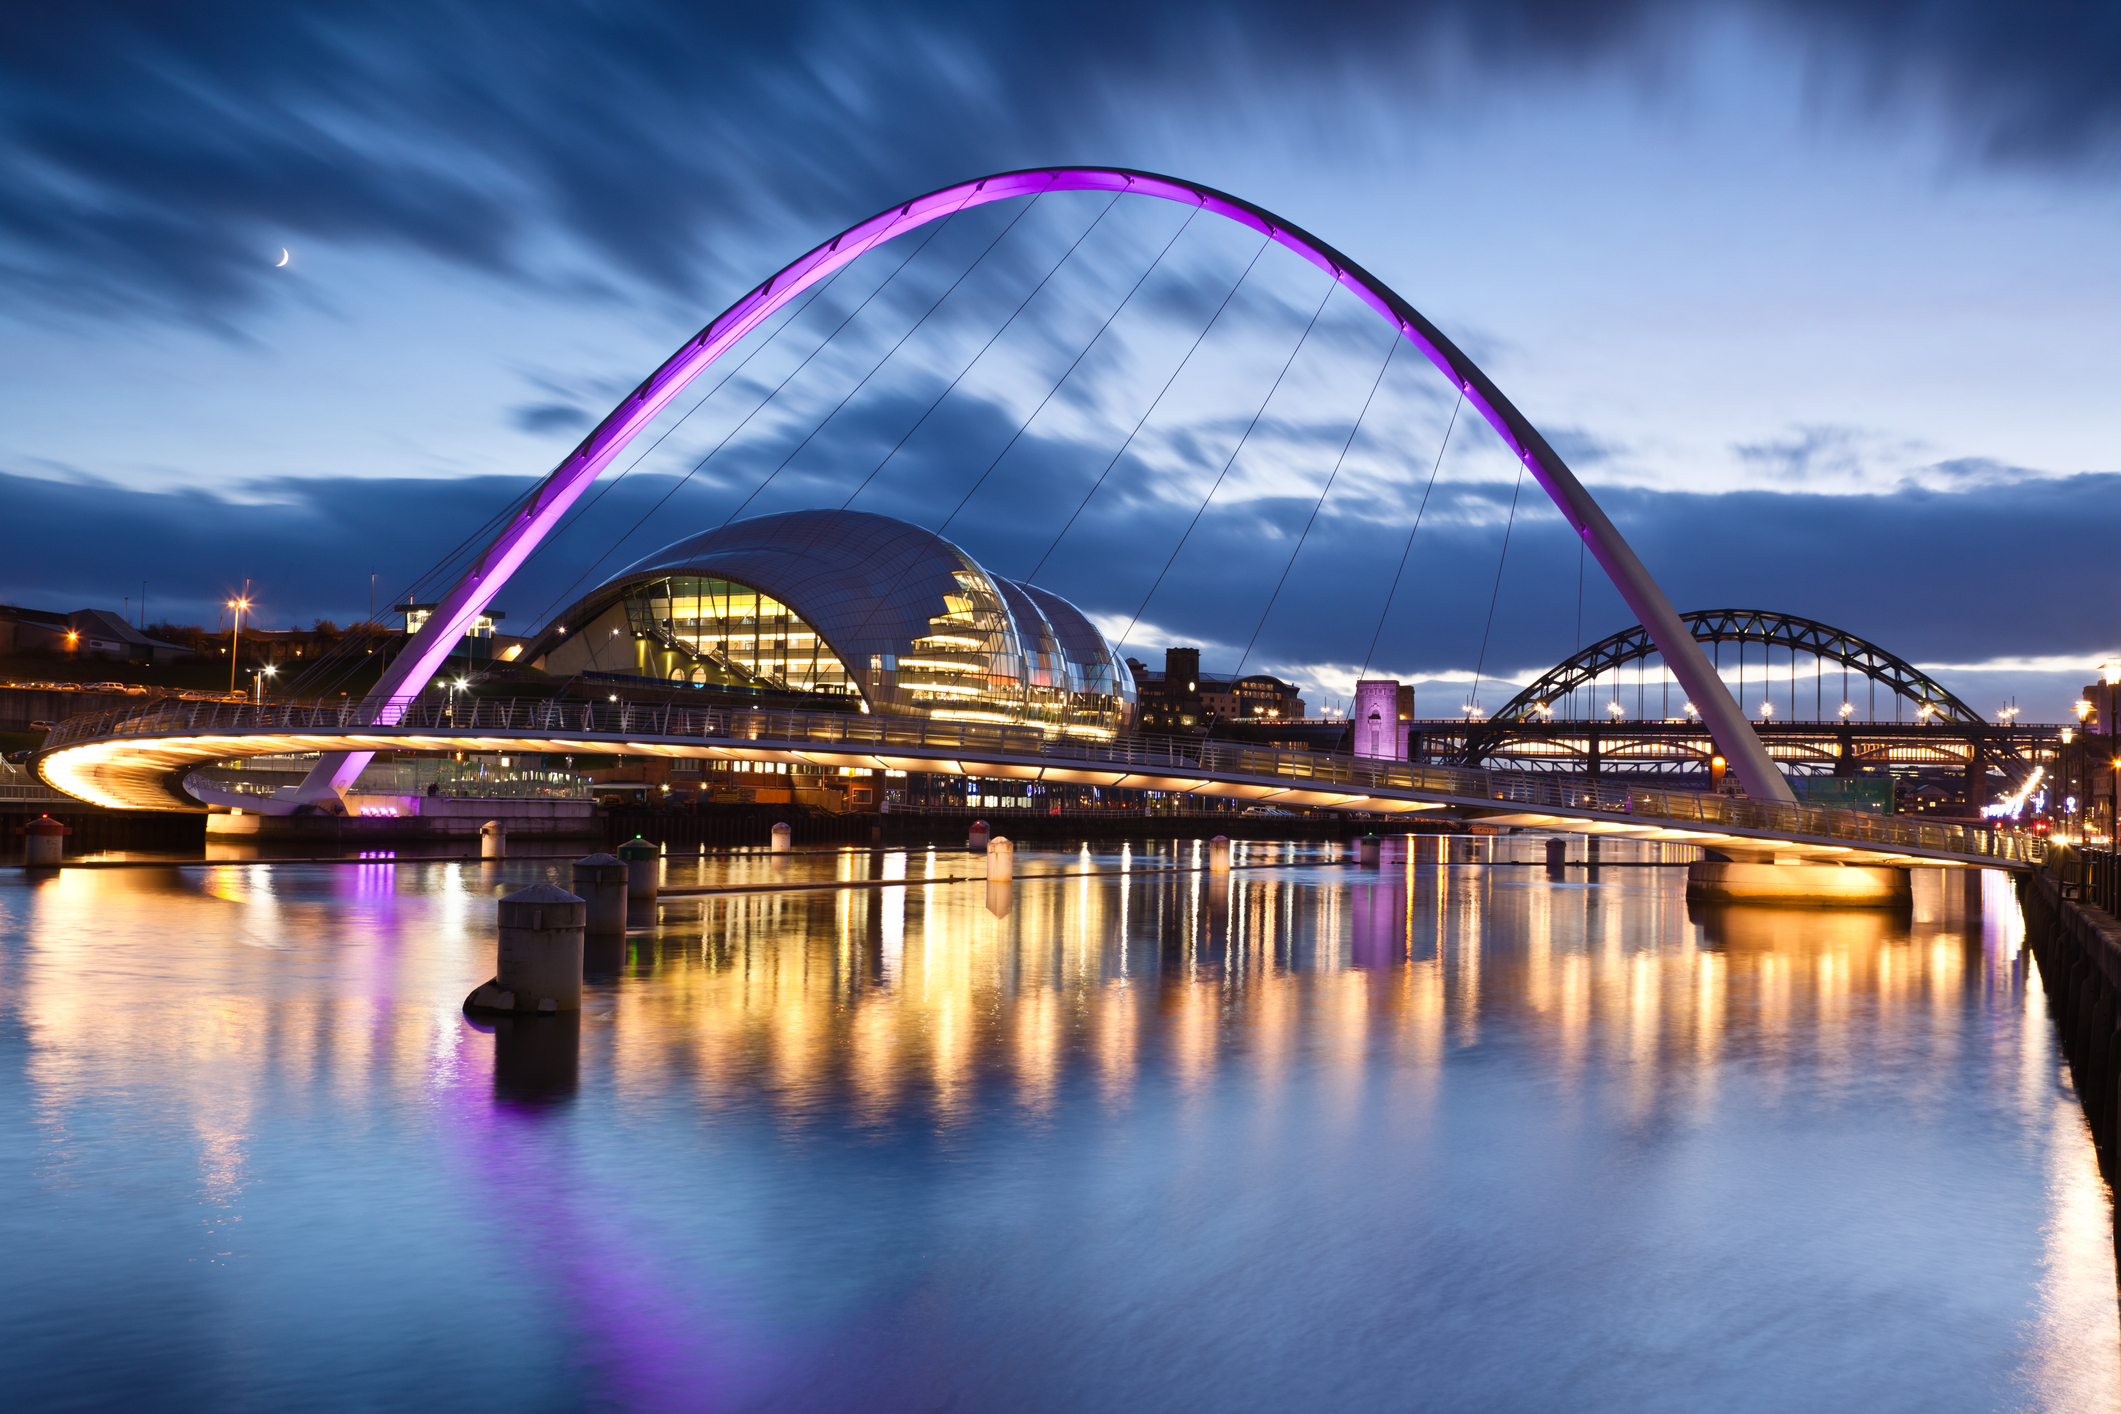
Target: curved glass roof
[852, 602]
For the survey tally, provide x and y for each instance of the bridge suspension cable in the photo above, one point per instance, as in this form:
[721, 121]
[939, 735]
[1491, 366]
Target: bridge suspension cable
[1066, 373]
[1154, 403]
[973, 362]
[1495, 596]
[1229, 462]
[760, 488]
[1316, 506]
[336, 666]
[1370, 655]
[890, 595]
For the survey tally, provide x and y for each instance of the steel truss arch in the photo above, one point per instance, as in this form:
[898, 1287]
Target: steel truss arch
[412, 668]
[1745, 626]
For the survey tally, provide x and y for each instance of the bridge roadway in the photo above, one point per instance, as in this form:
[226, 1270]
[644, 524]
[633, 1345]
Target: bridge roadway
[137, 759]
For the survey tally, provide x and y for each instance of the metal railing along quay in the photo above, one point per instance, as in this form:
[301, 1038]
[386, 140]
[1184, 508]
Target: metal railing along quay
[621, 722]
[2090, 876]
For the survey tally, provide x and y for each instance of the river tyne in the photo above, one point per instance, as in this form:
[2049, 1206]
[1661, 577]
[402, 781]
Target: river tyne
[1426, 1136]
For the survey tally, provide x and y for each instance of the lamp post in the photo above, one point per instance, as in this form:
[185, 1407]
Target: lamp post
[235, 639]
[2083, 708]
[2110, 672]
[258, 678]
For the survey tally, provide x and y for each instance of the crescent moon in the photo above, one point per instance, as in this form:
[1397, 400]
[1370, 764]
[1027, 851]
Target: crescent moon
[283, 258]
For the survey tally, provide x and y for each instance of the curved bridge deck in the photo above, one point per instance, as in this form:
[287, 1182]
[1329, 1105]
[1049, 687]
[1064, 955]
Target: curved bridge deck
[137, 760]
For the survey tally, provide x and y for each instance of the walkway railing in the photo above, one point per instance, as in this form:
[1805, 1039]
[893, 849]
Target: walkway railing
[22, 786]
[1149, 755]
[2098, 877]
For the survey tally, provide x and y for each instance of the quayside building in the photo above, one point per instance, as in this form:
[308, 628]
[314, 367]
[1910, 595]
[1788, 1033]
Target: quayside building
[849, 609]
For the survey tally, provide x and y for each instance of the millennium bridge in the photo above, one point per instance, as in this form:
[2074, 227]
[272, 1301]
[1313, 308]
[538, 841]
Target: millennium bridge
[139, 759]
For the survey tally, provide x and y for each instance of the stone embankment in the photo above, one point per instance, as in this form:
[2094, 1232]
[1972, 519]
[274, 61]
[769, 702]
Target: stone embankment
[2078, 946]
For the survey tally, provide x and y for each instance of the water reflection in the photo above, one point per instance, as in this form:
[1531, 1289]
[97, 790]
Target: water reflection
[536, 1059]
[1522, 1142]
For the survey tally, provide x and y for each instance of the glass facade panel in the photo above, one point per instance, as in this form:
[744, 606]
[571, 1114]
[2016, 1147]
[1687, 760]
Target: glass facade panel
[704, 630]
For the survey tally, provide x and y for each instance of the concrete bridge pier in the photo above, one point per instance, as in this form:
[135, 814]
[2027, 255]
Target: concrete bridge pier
[1793, 881]
[538, 961]
[600, 882]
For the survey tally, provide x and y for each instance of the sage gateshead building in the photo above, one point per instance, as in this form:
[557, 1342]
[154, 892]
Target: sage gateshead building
[846, 608]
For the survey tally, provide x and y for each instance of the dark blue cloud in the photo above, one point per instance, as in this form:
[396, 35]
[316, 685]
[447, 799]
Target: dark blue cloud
[1933, 576]
[552, 417]
[153, 157]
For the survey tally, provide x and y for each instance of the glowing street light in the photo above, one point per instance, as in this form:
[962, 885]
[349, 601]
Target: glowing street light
[1615, 710]
[239, 604]
[1767, 710]
[1692, 711]
[1848, 710]
[258, 680]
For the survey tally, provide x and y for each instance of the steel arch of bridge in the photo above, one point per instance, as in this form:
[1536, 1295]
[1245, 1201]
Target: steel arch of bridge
[471, 595]
[1745, 626]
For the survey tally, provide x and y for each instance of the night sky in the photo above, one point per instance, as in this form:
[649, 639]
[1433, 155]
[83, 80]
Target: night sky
[1821, 301]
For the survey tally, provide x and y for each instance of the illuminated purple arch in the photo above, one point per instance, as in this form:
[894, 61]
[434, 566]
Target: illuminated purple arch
[471, 594]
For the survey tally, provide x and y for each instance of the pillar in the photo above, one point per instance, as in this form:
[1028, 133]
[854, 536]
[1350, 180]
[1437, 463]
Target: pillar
[1376, 727]
[600, 881]
[538, 959]
[977, 839]
[493, 840]
[643, 868]
[1001, 857]
[1557, 854]
[1368, 850]
[1219, 855]
[43, 843]
[783, 837]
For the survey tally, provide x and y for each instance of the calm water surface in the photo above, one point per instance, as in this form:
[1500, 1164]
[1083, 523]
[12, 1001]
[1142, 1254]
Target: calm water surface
[1326, 1138]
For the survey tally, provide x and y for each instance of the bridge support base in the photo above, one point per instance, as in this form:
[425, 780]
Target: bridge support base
[1800, 885]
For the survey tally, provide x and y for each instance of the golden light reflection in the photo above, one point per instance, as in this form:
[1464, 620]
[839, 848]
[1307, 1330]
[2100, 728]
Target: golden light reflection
[913, 1004]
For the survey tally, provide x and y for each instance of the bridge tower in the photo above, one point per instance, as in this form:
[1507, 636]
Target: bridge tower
[1380, 731]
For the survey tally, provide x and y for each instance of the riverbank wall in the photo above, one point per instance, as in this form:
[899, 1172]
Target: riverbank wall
[2078, 947]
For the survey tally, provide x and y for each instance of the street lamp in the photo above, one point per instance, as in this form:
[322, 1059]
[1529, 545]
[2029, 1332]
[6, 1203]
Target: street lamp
[235, 639]
[258, 679]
